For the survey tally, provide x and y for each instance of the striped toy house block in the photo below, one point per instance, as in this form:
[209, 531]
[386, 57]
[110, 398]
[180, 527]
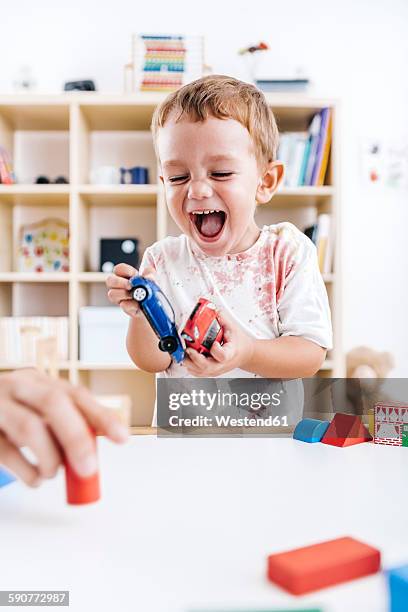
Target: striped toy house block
[391, 424]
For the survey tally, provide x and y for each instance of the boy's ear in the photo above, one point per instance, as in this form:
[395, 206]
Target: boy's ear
[269, 181]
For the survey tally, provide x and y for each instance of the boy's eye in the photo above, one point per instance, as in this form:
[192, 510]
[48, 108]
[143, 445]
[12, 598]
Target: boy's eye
[221, 175]
[178, 179]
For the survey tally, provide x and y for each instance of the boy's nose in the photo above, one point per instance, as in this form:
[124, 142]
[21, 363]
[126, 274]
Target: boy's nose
[199, 189]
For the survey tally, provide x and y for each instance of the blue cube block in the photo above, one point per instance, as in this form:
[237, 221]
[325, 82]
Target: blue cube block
[398, 588]
[310, 430]
[5, 478]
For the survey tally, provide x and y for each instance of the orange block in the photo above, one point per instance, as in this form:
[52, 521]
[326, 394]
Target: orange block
[310, 568]
[81, 490]
[346, 430]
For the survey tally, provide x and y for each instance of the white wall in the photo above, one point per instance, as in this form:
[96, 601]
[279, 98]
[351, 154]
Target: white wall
[356, 50]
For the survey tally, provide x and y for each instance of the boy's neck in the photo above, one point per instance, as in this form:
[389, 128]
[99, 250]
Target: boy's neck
[248, 240]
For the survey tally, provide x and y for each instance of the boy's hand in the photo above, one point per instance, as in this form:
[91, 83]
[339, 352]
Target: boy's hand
[235, 351]
[119, 287]
[51, 418]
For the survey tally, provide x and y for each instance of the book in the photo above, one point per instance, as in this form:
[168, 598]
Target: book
[321, 144]
[291, 154]
[314, 130]
[326, 152]
[306, 154]
[6, 169]
[299, 145]
[324, 243]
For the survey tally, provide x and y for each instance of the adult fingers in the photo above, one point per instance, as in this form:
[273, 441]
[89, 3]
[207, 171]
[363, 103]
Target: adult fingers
[125, 270]
[67, 423]
[12, 458]
[100, 418]
[26, 428]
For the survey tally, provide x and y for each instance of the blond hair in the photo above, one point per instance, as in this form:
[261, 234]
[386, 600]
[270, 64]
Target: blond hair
[223, 97]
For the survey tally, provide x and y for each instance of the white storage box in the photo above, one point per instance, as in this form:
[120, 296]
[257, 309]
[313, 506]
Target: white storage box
[102, 335]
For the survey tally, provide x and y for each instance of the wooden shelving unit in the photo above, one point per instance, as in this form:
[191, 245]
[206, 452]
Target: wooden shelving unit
[88, 130]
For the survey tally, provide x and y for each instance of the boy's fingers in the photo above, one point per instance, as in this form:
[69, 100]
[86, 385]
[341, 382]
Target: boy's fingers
[118, 295]
[149, 272]
[125, 270]
[23, 427]
[66, 422]
[197, 359]
[130, 307]
[218, 352]
[194, 371]
[117, 282]
[225, 320]
[13, 459]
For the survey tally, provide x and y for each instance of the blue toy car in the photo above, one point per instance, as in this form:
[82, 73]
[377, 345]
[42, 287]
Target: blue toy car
[160, 314]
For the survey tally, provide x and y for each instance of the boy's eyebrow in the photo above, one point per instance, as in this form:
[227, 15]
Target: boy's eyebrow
[179, 162]
[224, 157]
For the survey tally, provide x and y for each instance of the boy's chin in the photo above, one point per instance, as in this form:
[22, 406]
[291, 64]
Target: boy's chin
[216, 247]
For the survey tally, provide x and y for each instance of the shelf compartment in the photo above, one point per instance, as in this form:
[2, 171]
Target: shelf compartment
[116, 221]
[39, 299]
[35, 195]
[5, 365]
[22, 277]
[301, 196]
[36, 115]
[89, 367]
[92, 277]
[122, 195]
[295, 113]
[139, 385]
[118, 116]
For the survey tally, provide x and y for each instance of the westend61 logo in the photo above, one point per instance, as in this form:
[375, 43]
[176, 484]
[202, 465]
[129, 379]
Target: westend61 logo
[228, 406]
[219, 400]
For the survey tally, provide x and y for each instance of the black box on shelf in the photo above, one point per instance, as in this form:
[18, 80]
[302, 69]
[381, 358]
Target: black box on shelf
[118, 250]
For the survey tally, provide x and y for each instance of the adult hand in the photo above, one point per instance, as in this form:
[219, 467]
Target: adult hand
[52, 418]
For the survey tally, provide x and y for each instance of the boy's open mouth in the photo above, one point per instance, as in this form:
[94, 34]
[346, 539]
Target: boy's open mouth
[209, 223]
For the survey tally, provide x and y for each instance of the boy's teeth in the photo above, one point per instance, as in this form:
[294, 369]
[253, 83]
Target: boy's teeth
[203, 212]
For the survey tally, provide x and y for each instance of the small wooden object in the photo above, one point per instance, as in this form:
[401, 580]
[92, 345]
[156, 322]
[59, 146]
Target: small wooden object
[346, 430]
[310, 568]
[391, 424]
[310, 430]
[79, 490]
[398, 588]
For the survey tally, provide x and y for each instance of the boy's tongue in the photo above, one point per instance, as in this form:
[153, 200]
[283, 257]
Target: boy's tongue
[211, 224]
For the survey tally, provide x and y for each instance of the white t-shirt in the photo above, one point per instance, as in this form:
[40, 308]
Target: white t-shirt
[272, 289]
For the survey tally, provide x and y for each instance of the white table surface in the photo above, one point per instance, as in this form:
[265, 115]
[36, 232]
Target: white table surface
[187, 524]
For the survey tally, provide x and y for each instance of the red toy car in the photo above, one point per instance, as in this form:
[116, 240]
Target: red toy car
[203, 328]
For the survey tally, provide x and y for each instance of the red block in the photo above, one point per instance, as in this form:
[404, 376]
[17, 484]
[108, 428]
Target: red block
[345, 430]
[81, 490]
[310, 568]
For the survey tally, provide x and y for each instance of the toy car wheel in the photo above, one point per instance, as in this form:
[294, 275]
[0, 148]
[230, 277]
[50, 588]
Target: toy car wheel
[168, 344]
[139, 294]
